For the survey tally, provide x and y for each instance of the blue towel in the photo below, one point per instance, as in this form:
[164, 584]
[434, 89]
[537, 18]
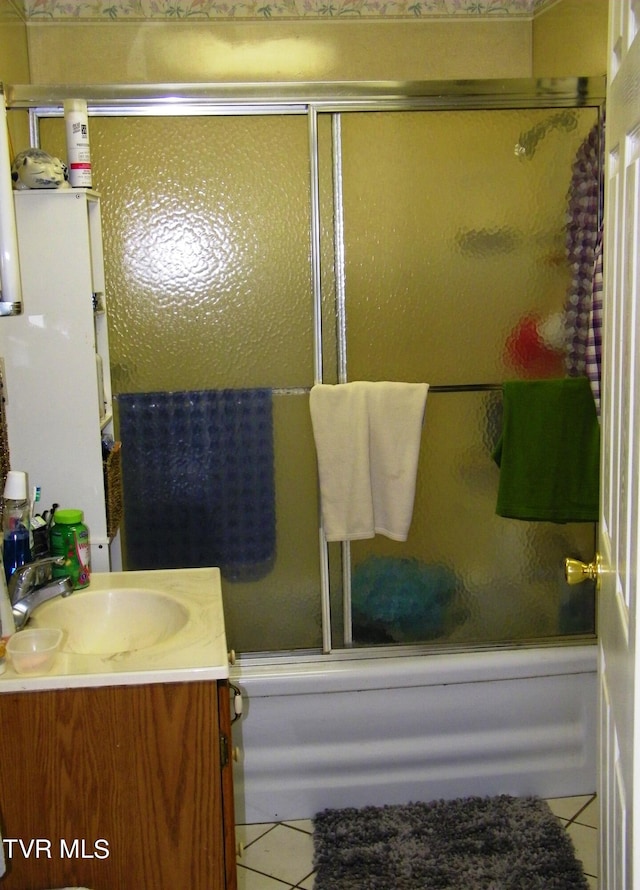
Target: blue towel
[198, 480]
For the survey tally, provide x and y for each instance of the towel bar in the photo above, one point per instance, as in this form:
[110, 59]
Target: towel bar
[454, 387]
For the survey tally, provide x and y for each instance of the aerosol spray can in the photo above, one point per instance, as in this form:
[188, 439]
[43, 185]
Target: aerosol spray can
[78, 151]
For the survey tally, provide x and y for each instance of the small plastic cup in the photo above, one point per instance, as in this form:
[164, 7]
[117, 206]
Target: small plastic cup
[33, 651]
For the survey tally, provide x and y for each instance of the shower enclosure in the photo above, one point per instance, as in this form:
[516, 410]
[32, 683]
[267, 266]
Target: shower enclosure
[270, 238]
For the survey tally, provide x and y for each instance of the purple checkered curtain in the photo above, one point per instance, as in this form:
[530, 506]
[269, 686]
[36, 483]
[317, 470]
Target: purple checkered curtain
[594, 337]
[582, 231]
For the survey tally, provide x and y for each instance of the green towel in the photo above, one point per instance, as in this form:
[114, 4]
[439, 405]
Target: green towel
[549, 451]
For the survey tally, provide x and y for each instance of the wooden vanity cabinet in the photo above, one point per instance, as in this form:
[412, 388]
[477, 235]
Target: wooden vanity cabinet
[124, 787]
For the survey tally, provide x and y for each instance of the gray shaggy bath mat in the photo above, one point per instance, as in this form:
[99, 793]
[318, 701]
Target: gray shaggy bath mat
[475, 843]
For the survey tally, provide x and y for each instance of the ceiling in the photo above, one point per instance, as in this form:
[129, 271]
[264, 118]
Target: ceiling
[52, 11]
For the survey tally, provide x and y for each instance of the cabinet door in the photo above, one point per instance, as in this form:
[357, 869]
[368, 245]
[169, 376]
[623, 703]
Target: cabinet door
[53, 405]
[121, 785]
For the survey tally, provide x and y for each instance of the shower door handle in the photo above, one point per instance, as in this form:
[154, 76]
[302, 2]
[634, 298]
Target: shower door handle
[576, 571]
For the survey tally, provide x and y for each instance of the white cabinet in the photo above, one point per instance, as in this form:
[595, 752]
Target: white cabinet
[55, 405]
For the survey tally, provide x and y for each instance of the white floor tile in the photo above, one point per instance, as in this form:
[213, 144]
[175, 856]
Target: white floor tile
[247, 834]
[585, 841]
[589, 816]
[283, 853]
[252, 880]
[301, 825]
[567, 807]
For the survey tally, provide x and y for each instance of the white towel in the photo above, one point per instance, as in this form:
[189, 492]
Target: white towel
[367, 439]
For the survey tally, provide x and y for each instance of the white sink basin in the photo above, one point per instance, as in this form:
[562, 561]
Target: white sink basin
[112, 622]
[160, 626]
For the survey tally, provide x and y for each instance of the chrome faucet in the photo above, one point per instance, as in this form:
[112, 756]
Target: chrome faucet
[31, 585]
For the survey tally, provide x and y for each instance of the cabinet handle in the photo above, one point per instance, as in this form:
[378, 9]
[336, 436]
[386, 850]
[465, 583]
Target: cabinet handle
[237, 702]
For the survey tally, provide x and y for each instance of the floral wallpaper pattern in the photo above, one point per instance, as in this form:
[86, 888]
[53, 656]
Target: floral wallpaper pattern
[192, 10]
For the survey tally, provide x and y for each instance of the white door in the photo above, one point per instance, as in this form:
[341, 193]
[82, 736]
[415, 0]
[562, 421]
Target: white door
[619, 778]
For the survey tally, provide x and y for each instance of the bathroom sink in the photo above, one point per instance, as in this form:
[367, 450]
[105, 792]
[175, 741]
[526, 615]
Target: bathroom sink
[147, 626]
[112, 622]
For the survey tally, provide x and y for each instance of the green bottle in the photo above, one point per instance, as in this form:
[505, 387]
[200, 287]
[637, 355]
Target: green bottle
[70, 539]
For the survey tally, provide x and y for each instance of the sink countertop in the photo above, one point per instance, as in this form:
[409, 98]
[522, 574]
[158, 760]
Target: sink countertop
[196, 652]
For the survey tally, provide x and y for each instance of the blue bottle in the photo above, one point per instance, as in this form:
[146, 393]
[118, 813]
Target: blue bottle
[16, 533]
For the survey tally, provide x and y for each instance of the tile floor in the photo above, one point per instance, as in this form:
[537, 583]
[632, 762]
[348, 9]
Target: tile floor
[279, 855]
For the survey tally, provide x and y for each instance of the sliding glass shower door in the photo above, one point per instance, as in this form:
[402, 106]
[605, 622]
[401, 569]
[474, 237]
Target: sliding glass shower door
[429, 247]
[455, 273]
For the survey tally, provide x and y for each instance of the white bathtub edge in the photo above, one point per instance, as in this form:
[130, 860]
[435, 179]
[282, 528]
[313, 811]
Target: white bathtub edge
[345, 674]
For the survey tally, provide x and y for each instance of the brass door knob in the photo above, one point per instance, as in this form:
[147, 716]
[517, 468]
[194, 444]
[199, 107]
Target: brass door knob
[576, 571]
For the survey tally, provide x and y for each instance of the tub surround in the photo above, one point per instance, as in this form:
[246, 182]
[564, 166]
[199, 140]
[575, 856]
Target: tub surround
[395, 729]
[197, 651]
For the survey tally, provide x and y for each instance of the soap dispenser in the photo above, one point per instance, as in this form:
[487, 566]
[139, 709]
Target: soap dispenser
[16, 524]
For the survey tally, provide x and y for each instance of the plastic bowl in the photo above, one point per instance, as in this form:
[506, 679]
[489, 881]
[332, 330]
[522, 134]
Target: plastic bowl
[33, 651]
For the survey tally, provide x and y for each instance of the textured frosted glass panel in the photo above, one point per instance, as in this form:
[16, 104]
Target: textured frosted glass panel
[206, 237]
[453, 240]
[206, 230]
[455, 254]
[505, 576]
[283, 610]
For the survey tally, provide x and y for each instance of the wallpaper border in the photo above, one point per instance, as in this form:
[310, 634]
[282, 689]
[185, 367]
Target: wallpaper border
[36, 11]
